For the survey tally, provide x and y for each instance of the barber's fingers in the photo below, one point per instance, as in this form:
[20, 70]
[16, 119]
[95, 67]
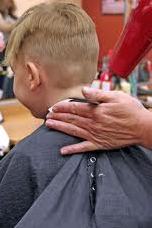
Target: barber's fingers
[85, 146]
[68, 128]
[77, 108]
[96, 95]
[73, 119]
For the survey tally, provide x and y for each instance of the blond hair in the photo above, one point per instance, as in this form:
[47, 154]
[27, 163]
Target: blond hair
[58, 32]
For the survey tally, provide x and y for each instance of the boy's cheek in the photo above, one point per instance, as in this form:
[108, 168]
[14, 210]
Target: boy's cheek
[16, 87]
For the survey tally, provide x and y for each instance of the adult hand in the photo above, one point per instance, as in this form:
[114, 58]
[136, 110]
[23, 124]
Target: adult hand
[119, 120]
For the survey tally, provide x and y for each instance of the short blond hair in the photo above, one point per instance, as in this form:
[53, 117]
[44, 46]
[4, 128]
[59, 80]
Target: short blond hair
[59, 32]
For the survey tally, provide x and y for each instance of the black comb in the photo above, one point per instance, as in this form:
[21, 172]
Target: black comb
[83, 100]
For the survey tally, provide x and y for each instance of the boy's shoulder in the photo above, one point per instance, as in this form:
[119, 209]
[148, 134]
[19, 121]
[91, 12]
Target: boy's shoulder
[41, 150]
[43, 140]
[37, 156]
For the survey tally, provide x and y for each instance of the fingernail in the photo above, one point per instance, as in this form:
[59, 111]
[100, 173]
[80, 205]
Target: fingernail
[47, 116]
[64, 151]
[49, 123]
[50, 109]
[50, 115]
[86, 89]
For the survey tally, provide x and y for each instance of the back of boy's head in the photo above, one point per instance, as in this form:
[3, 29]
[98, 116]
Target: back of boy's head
[60, 33]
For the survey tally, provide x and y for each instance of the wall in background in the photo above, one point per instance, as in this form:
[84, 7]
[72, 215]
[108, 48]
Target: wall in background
[108, 26]
[23, 5]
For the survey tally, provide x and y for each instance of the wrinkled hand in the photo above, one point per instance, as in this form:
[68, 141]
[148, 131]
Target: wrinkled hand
[116, 122]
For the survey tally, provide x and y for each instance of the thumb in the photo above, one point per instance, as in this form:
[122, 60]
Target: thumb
[96, 95]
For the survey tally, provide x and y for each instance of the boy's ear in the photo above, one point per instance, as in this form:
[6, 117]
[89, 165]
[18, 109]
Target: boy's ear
[33, 75]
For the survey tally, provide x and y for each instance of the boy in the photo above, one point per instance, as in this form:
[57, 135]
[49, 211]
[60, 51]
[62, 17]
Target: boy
[53, 51]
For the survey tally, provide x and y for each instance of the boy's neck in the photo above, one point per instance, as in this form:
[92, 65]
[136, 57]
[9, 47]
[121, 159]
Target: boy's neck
[74, 92]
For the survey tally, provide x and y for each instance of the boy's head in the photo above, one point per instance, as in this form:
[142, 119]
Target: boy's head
[53, 51]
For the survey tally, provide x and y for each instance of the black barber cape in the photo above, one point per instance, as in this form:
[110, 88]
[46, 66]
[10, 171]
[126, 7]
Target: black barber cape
[27, 170]
[106, 190]
[43, 189]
